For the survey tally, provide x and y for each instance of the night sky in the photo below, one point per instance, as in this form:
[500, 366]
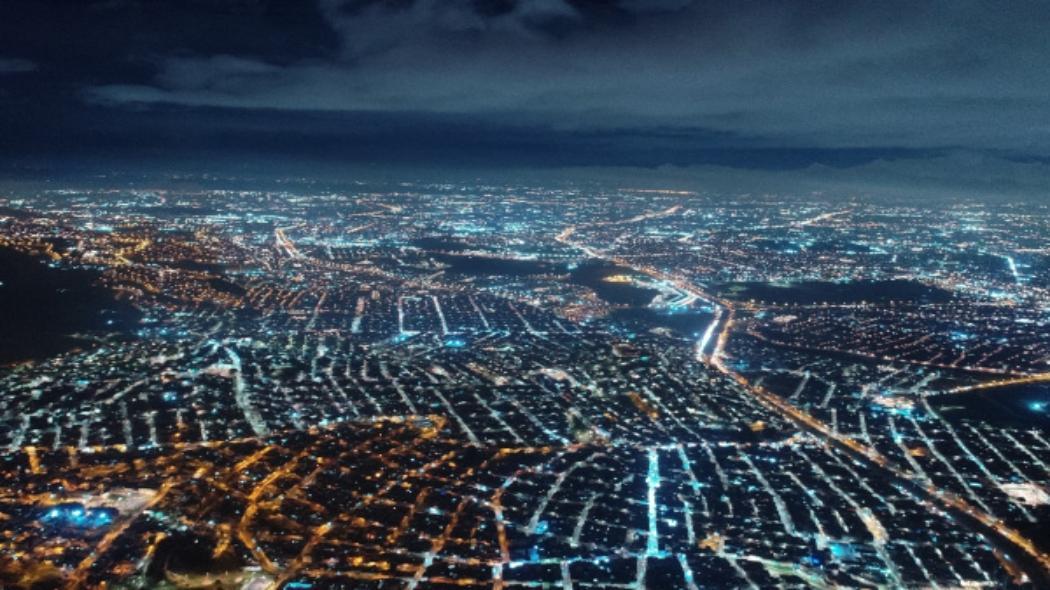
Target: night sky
[876, 93]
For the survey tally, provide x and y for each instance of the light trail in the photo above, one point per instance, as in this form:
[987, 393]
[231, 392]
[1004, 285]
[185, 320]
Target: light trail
[1039, 378]
[441, 315]
[687, 572]
[1013, 268]
[243, 398]
[821, 217]
[702, 345]
[284, 244]
[652, 480]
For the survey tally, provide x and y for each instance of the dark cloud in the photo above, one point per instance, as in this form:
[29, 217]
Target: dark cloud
[14, 65]
[644, 6]
[582, 82]
[810, 73]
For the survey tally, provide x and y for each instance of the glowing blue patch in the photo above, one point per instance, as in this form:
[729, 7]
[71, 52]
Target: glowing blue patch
[77, 517]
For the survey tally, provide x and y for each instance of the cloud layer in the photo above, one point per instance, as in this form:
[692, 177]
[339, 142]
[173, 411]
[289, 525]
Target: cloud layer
[765, 93]
[16, 65]
[906, 74]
